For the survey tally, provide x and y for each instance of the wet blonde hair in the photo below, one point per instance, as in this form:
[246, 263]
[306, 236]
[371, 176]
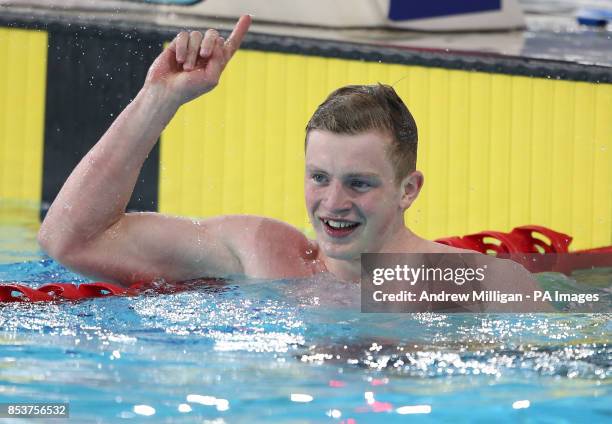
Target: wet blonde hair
[356, 109]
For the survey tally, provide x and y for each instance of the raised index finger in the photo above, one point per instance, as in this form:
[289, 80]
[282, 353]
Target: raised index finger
[235, 39]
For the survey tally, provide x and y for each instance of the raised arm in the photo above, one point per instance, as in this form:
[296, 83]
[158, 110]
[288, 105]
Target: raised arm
[87, 228]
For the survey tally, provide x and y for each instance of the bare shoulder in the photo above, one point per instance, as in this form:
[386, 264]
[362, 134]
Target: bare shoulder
[269, 248]
[246, 229]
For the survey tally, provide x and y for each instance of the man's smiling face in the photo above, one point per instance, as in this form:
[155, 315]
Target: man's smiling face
[352, 198]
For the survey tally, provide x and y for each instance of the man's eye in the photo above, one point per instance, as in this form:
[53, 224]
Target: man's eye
[360, 185]
[319, 178]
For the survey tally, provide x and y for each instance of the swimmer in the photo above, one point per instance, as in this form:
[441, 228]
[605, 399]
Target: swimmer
[360, 161]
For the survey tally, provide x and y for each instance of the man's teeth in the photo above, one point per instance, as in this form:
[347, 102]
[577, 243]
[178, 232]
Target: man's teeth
[339, 224]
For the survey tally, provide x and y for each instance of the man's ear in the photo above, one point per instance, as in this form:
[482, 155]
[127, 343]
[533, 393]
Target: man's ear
[411, 187]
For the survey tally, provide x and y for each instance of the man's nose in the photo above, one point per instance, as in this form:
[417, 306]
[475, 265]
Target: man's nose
[336, 198]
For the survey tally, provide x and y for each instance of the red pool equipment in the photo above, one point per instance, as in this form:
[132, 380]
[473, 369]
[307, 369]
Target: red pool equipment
[62, 290]
[536, 247]
[68, 291]
[20, 293]
[58, 291]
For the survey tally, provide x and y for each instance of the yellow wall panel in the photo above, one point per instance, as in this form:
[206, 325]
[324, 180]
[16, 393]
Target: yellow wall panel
[458, 151]
[520, 149]
[562, 132]
[602, 168]
[23, 56]
[255, 116]
[497, 151]
[582, 159]
[435, 136]
[478, 164]
[234, 157]
[498, 164]
[541, 146]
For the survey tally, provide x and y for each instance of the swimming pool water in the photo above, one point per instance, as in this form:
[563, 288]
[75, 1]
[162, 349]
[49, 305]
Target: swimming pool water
[292, 351]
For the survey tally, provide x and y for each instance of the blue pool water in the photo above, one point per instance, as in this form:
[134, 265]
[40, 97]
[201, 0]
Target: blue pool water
[292, 351]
